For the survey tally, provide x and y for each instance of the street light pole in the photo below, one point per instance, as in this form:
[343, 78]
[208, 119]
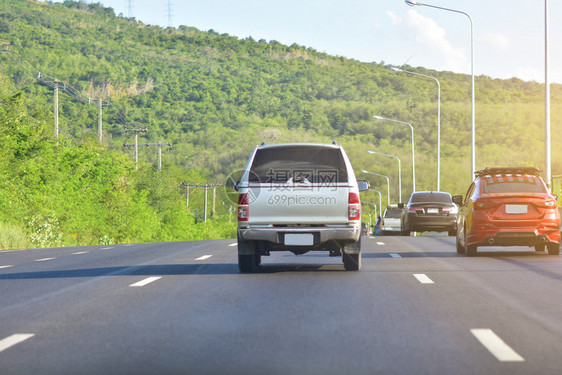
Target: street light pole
[380, 199]
[413, 154]
[387, 181]
[399, 172]
[438, 119]
[547, 100]
[473, 138]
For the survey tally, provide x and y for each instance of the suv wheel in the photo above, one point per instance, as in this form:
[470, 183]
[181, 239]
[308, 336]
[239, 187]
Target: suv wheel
[539, 247]
[460, 248]
[471, 250]
[553, 248]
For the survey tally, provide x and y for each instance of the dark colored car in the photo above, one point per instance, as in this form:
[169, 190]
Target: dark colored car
[508, 207]
[429, 211]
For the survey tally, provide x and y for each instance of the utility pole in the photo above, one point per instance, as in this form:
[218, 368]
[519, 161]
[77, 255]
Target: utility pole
[206, 187]
[136, 144]
[170, 14]
[152, 144]
[56, 82]
[55, 85]
[100, 105]
[100, 136]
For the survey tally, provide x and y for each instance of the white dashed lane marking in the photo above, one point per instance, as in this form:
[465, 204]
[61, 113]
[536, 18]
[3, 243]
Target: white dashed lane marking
[146, 281]
[422, 278]
[80, 252]
[44, 259]
[204, 257]
[234, 244]
[380, 243]
[395, 255]
[10, 341]
[8, 266]
[496, 345]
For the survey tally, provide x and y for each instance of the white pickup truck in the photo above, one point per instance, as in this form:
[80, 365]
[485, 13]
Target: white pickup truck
[299, 197]
[391, 220]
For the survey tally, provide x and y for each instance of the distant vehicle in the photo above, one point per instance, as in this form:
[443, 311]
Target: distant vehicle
[390, 223]
[299, 197]
[429, 211]
[508, 207]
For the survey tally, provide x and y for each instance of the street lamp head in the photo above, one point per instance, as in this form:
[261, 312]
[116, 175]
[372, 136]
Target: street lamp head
[378, 117]
[413, 2]
[394, 69]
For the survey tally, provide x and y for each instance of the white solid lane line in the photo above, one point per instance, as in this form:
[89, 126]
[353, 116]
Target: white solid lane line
[234, 244]
[44, 259]
[204, 257]
[14, 340]
[422, 278]
[496, 345]
[147, 281]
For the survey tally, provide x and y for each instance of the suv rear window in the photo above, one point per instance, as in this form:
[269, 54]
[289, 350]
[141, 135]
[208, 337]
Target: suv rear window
[512, 184]
[430, 197]
[301, 163]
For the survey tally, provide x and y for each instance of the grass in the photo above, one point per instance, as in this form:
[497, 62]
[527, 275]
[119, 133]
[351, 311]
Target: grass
[12, 237]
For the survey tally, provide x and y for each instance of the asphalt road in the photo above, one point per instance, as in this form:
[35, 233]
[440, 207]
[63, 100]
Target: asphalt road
[416, 307]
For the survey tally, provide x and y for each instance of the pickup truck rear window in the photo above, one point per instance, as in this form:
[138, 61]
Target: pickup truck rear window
[299, 165]
[393, 214]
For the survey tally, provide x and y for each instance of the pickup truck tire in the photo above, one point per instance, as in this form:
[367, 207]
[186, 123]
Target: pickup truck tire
[248, 259]
[351, 256]
[247, 263]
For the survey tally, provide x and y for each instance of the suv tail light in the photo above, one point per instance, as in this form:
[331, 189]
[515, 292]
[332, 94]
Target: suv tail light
[354, 207]
[481, 205]
[243, 207]
[549, 203]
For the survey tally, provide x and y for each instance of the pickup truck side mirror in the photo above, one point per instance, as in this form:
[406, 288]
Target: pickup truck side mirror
[457, 199]
[363, 185]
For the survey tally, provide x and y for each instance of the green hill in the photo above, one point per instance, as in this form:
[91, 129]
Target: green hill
[214, 97]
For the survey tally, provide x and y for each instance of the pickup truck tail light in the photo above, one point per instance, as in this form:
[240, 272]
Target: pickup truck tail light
[354, 210]
[243, 207]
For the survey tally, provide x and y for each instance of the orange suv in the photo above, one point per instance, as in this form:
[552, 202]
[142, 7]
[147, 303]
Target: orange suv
[507, 207]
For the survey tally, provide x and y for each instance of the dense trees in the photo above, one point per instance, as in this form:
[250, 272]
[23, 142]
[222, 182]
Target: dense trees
[214, 97]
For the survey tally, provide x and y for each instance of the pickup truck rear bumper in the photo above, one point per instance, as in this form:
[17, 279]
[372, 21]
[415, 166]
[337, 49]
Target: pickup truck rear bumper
[321, 234]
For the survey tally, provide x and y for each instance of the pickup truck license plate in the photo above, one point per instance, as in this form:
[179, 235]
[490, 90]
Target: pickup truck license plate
[299, 239]
[515, 208]
[432, 210]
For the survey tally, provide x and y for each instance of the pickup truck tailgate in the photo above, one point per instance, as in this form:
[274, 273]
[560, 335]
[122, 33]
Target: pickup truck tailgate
[298, 204]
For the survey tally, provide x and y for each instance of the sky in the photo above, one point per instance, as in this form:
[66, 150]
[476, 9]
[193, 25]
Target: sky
[509, 36]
